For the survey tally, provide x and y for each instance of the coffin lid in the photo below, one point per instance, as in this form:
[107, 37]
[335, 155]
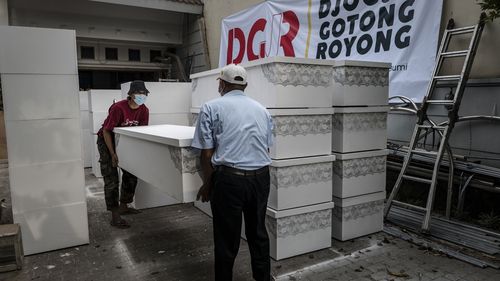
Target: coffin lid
[289, 111]
[302, 161]
[361, 199]
[361, 109]
[173, 135]
[362, 154]
[268, 60]
[340, 63]
[300, 111]
[297, 211]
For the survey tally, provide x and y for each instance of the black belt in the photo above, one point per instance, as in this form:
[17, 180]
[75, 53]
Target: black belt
[240, 172]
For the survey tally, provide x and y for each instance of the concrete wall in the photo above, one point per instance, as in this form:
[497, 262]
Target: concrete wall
[214, 11]
[193, 49]
[465, 13]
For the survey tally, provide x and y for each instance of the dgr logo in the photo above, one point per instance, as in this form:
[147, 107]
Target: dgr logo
[283, 30]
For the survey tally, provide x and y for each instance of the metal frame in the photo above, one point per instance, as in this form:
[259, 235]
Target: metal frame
[425, 123]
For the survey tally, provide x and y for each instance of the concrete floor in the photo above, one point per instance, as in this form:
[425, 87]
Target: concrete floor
[175, 243]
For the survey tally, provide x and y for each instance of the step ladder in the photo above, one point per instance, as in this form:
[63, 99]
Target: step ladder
[425, 124]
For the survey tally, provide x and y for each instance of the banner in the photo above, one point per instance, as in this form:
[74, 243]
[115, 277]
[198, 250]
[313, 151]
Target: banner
[403, 33]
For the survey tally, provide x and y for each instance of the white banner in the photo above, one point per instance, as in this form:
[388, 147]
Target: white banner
[401, 32]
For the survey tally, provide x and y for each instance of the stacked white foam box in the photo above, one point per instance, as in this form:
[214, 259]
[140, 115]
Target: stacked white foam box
[165, 159]
[99, 102]
[358, 141]
[86, 134]
[40, 93]
[168, 103]
[297, 93]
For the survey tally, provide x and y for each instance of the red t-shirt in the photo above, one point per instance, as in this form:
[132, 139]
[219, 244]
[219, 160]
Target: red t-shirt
[121, 115]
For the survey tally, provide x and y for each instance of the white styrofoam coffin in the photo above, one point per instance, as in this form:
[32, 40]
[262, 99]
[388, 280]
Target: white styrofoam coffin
[27, 50]
[96, 119]
[298, 231]
[360, 83]
[165, 97]
[297, 132]
[101, 100]
[359, 173]
[300, 182]
[301, 132]
[84, 100]
[54, 228]
[41, 141]
[275, 82]
[40, 96]
[46, 185]
[87, 142]
[359, 128]
[96, 166]
[180, 119]
[165, 158]
[149, 196]
[358, 216]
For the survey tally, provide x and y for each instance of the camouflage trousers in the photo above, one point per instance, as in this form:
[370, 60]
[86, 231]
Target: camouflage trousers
[112, 181]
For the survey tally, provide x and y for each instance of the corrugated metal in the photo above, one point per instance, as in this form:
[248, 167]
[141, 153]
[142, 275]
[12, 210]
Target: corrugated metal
[192, 2]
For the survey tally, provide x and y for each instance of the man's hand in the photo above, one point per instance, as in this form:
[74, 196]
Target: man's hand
[204, 193]
[114, 160]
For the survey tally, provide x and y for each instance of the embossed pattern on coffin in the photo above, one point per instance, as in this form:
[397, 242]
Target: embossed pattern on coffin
[303, 223]
[291, 74]
[186, 159]
[353, 168]
[361, 76]
[300, 175]
[302, 125]
[358, 122]
[355, 212]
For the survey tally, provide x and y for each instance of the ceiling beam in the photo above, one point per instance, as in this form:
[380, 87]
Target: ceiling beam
[165, 5]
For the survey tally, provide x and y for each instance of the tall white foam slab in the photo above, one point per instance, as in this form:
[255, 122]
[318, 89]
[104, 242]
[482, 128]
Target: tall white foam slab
[39, 73]
[276, 82]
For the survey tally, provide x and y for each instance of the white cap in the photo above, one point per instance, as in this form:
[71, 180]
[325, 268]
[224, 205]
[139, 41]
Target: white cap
[233, 74]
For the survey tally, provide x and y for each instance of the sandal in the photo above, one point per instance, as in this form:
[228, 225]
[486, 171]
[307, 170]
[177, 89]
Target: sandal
[129, 211]
[121, 224]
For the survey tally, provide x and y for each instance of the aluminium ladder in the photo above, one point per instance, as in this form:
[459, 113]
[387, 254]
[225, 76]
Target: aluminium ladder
[424, 123]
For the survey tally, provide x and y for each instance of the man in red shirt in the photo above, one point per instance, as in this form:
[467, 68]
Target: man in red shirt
[125, 113]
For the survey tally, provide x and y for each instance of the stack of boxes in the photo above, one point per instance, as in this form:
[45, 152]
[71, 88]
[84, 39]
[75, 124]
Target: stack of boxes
[86, 135]
[297, 93]
[40, 94]
[360, 96]
[99, 103]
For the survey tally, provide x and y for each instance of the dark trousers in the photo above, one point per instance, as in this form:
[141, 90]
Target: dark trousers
[233, 195]
[112, 181]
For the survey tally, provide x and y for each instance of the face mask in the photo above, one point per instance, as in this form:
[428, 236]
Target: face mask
[139, 99]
